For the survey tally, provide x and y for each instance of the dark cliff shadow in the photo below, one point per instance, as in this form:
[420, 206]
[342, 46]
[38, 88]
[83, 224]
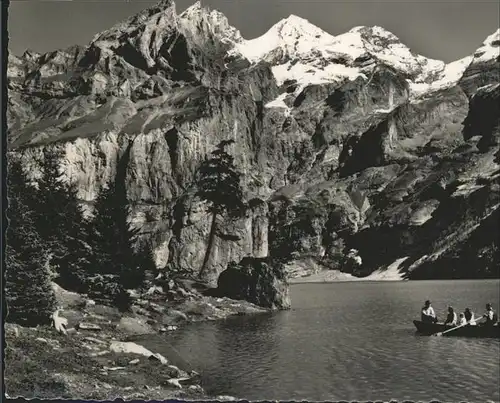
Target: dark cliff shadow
[121, 171]
[363, 152]
[483, 119]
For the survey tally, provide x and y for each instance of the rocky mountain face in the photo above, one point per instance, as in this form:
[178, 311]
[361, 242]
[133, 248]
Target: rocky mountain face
[345, 142]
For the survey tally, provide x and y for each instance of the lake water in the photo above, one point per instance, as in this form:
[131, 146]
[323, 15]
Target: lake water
[347, 341]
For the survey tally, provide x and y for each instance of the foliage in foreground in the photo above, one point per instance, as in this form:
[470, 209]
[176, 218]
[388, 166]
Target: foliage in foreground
[60, 223]
[49, 238]
[29, 295]
[113, 239]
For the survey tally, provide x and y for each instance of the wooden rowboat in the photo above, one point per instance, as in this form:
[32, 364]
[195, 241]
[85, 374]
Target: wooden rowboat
[428, 329]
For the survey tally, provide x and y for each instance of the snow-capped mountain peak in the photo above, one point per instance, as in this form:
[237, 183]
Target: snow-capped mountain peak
[297, 27]
[374, 32]
[291, 37]
[294, 47]
[386, 47]
[490, 49]
[301, 51]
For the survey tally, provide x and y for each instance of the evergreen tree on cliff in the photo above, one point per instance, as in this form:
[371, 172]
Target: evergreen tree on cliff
[219, 184]
[113, 239]
[29, 295]
[60, 223]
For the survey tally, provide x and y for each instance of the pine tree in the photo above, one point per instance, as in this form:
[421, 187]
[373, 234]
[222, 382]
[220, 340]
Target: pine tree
[219, 184]
[145, 260]
[113, 238]
[60, 223]
[29, 295]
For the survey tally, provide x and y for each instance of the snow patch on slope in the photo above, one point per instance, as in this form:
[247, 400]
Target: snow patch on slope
[326, 276]
[311, 74]
[280, 103]
[449, 77]
[454, 70]
[391, 273]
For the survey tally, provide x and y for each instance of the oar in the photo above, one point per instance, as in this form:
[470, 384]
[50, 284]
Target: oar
[455, 328]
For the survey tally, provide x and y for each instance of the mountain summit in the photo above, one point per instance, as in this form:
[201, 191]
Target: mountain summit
[291, 37]
[297, 49]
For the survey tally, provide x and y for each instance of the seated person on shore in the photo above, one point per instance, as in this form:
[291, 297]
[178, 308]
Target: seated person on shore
[451, 319]
[469, 316]
[490, 316]
[462, 321]
[428, 314]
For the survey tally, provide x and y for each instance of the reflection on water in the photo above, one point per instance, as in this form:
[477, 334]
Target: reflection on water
[349, 341]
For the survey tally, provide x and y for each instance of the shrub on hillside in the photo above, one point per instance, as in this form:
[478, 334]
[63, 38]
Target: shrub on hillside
[106, 289]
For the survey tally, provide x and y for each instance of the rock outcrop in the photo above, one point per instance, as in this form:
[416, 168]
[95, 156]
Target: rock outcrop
[346, 142]
[260, 281]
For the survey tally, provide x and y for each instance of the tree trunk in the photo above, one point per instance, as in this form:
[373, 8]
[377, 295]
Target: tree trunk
[211, 238]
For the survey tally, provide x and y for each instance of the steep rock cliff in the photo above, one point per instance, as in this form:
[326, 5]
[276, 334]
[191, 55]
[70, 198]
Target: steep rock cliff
[343, 142]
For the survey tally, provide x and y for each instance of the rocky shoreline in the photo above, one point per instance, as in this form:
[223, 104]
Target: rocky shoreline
[97, 360]
[336, 276]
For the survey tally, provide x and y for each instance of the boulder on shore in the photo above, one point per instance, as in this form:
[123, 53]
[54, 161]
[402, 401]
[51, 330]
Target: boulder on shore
[131, 325]
[133, 348]
[261, 281]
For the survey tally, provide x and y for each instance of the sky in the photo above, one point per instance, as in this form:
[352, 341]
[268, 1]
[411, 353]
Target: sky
[446, 30]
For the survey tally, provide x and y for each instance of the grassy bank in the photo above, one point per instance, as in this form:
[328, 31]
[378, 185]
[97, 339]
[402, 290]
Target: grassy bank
[85, 363]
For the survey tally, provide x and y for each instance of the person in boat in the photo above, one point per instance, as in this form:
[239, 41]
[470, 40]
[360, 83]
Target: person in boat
[462, 321]
[451, 319]
[490, 316]
[428, 314]
[469, 316]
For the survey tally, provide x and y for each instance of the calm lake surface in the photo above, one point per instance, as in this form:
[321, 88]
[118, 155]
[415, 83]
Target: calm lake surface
[347, 341]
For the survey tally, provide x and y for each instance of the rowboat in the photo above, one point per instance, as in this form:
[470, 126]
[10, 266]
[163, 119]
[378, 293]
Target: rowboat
[428, 329]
